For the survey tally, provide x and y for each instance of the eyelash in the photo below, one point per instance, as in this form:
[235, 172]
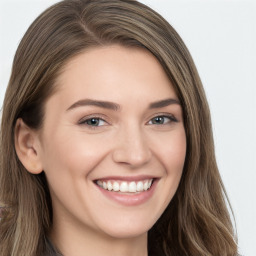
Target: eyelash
[100, 118]
[90, 118]
[170, 117]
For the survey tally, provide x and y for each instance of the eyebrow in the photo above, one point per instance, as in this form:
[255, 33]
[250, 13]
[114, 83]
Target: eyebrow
[163, 103]
[116, 107]
[97, 103]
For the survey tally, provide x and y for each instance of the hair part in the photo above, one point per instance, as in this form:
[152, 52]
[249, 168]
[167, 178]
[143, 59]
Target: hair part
[197, 215]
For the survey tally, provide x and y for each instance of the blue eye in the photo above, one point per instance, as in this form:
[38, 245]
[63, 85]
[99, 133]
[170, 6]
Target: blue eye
[160, 120]
[94, 121]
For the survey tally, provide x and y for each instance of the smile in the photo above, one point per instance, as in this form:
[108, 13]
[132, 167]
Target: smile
[127, 191]
[125, 186]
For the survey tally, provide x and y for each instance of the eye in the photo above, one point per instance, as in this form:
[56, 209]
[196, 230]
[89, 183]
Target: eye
[163, 119]
[94, 122]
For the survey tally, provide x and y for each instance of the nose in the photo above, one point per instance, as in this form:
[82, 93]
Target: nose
[132, 148]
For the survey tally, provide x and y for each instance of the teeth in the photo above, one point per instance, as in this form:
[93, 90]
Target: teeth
[132, 187]
[124, 186]
[140, 186]
[110, 187]
[100, 183]
[145, 186]
[116, 186]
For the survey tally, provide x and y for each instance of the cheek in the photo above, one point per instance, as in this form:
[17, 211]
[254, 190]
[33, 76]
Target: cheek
[172, 151]
[72, 154]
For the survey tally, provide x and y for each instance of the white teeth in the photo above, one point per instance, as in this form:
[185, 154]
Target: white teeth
[116, 186]
[132, 187]
[139, 186]
[124, 186]
[110, 187]
[145, 186]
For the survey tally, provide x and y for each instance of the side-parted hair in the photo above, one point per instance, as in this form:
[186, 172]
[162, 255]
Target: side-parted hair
[197, 220]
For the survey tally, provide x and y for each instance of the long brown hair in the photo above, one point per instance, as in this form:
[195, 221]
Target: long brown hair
[197, 221]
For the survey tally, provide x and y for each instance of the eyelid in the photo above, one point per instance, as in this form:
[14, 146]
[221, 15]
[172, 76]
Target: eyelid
[105, 119]
[168, 115]
[96, 116]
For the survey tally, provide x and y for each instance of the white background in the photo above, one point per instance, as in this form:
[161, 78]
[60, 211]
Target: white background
[221, 36]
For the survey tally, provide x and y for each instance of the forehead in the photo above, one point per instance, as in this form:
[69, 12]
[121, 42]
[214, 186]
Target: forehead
[114, 72]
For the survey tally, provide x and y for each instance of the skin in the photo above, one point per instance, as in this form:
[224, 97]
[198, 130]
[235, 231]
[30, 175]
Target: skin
[127, 141]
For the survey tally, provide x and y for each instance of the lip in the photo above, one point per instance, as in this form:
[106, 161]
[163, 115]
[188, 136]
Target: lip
[129, 199]
[128, 178]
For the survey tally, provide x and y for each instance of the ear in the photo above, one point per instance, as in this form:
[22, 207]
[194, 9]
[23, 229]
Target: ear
[27, 147]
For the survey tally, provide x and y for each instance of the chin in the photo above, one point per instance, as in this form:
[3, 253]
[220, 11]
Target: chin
[128, 229]
[127, 234]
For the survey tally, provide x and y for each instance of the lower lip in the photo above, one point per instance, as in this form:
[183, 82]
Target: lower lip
[130, 199]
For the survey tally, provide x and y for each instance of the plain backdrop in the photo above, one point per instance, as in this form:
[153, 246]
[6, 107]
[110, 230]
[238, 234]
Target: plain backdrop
[221, 36]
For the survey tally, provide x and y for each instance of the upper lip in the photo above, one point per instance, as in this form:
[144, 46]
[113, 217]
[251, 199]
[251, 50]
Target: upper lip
[128, 178]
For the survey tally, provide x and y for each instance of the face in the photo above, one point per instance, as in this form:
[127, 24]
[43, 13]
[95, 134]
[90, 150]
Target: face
[113, 142]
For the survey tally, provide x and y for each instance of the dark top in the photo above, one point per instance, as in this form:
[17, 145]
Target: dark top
[50, 249]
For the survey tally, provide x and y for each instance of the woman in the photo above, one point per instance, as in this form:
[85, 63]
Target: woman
[106, 141]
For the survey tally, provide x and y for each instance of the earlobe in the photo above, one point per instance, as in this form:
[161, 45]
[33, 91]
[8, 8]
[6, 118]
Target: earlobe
[27, 147]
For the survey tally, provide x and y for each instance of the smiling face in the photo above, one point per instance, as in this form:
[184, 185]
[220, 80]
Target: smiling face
[113, 143]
